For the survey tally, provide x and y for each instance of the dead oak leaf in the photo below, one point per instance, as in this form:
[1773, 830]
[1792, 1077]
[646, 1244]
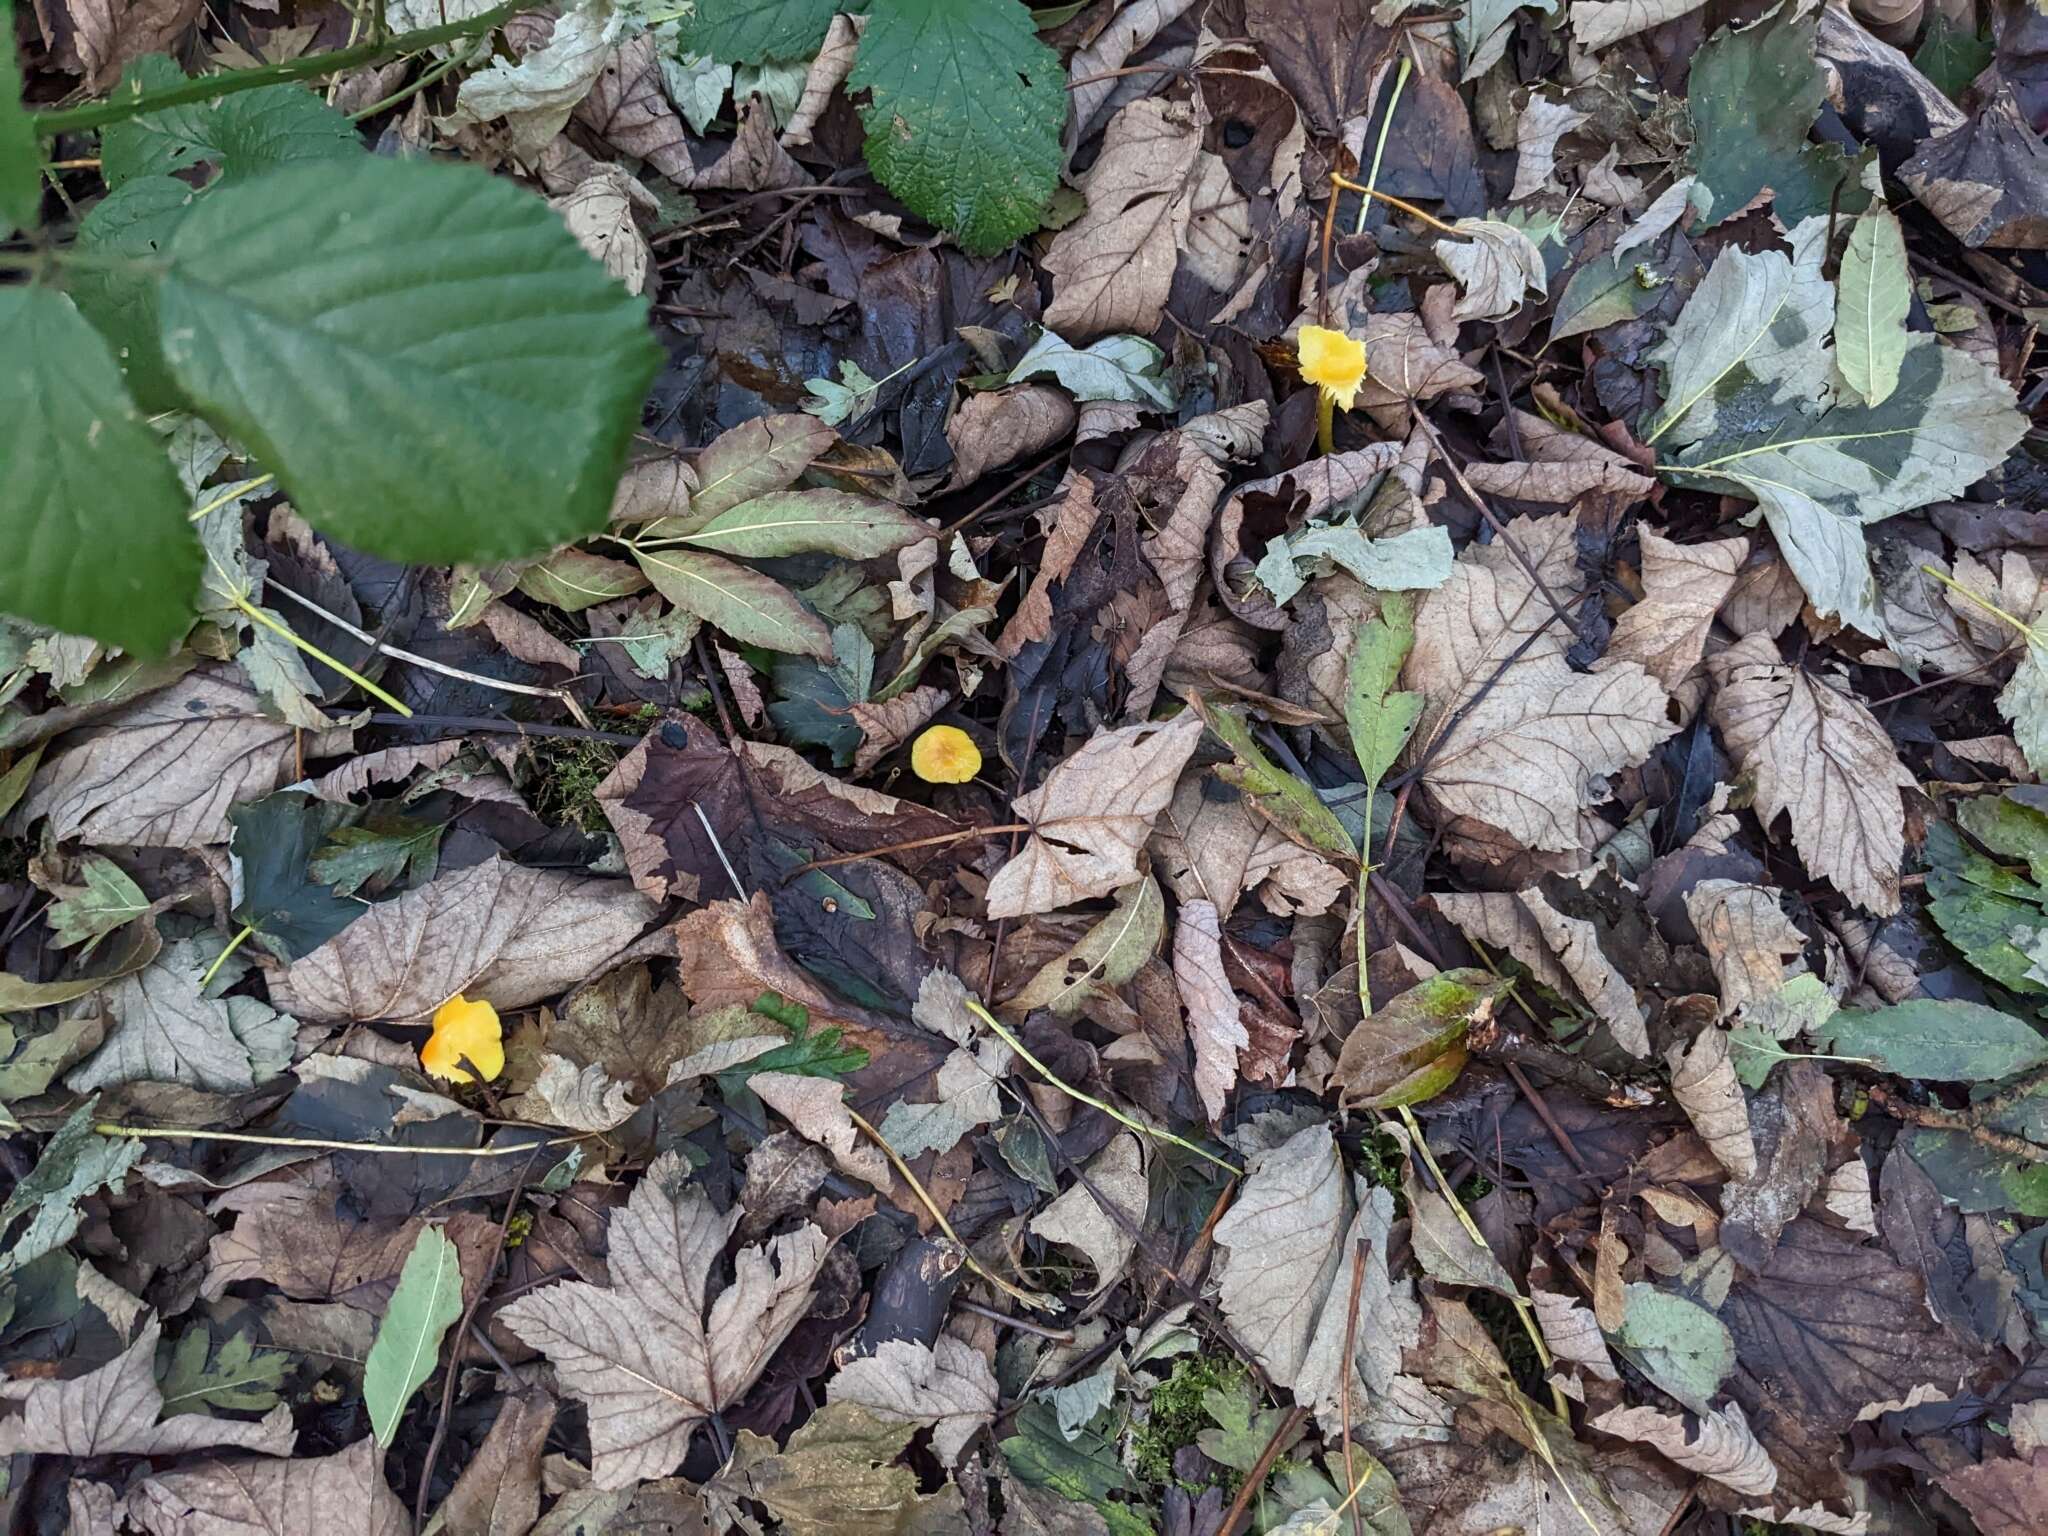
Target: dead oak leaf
[497, 931]
[655, 1355]
[1090, 818]
[113, 1412]
[1822, 759]
[342, 1492]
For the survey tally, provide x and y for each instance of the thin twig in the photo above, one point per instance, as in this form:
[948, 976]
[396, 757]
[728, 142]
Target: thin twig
[1935, 1118]
[561, 696]
[1348, 1370]
[491, 725]
[919, 842]
[996, 500]
[320, 1144]
[1479, 504]
[1255, 1479]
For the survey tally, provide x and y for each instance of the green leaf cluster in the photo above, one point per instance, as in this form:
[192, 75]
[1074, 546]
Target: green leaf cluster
[421, 354]
[194, 1376]
[1994, 907]
[964, 103]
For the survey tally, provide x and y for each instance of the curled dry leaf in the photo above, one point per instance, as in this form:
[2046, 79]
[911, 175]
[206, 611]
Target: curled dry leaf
[816, 1106]
[1748, 938]
[1722, 1446]
[655, 1355]
[1077, 1217]
[947, 1384]
[1495, 264]
[496, 931]
[1113, 267]
[1703, 1081]
[1564, 952]
[342, 1492]
[1215, 1027]
[1090, 818]
[885, 727]
[1822, 759]
[1573, 1333]
[1002, 426]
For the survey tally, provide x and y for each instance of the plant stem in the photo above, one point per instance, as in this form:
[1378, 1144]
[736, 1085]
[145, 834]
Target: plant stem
[1379, 149]
[258, 616]
[1090, 1100]
[405, 93]
[238, 489]
[211, 87]
[317, 1144]
[221, 959]
[1326, 422]
[1406, 207]
[1982, 602]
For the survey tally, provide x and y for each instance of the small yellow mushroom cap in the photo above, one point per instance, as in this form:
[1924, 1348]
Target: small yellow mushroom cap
[464, 1029]
[1332, 361]
[945, 754]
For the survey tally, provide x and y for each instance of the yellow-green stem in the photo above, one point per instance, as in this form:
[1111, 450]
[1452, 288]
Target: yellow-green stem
[1090, 1100]
[1326, 422]
[258, 616]
[229, 493]
[1379, 150]
[221, 959]
[1985, 603]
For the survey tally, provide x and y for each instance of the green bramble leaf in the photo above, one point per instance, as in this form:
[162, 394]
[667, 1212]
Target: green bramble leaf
[21, 157]
[90, 513]
[748, 31]
[244, 133]
[1944, 1040]
[1380, 715]
[490, 373]
[965, 107]
[134, 221]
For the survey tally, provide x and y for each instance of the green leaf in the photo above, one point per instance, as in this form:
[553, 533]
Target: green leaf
[1952, 54]
[75, 1162]
[1108, 955]
[1114, 368]
[21, 156]
[243, 133]
[838, 401]
[1292, 806]
[489, 373]
[1412, 1049]
[808, 1053]
[1943, 1040]
[1603, 292]
[964, 114]
[106, 901]
[1243, 1431]
[1873, 295]
[2013, 825]
[28, 1066]
[1380, 716]
[803, 522]
[1416, 560]
[752, 608]
[240, 1377]
[1821, 478]
[428, 1299]
[1677, 1343]
[90, 514]
[387, 846]
[273, 844]
[2024, 699]
[1753, 94]
[136, 222]
[749, 461]
[574, 579]
[1085, 1468]
[748, 31]
[15, 781]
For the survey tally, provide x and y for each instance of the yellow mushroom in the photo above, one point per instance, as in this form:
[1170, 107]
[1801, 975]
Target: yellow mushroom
[945, 754]
[464, 1031]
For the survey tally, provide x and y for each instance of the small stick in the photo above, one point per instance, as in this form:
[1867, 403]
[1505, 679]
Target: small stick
[319, 1144]
[920, 842]
[494, 726]
[1249, 1488]
[1347, 1368]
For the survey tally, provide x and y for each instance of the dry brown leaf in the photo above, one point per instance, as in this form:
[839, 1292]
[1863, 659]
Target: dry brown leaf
[1001, 426]
[1573, 1333]
[1559, 483]
[727, 955]
[947, 1384]
[1178, 551]
[106, 34]
[1564, 953]
[496, 931]
[1091, 817]
[1113, 267]
[1723, 1448]
[1403, 363]
[1747, 937]
[1847, 1195]
[345, 1492]
[1215, 1025]
[113, 1412]
[1704, 1084]
[1495, 265]
[1211, 847]
[1536, 749]
[1067, 523]
[1092, 72]
[1076, 1217]
[816, 1106]
[1820, 757]
[164, 771]
[575, 1098]
[1541, 124]
[885, 727]
[828, 71]
[655, 1355]
[602, 213]
[1684, 586]
[498, 1493]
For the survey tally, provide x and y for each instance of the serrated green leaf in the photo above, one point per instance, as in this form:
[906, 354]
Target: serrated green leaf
[1381, 717]
[2024, 699]
[802, 522]
[1943, 1040]
[752, 608]
[136, 222]
[1040, 1455]
[1819, 479]
[107, 900]
[75, 1162]
[387, 845]
[408, 1343]
[1292, 806]
[489, 373]
[964, 114]
[21, 157]
[273, 844]
[240, 1376]
[748, 31]
[1951, 54]
[244, 133]
[808, 1053]
[1600, 293]
[1753, 94]
[90, 514]
[1873, 294]
[1412, 561]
